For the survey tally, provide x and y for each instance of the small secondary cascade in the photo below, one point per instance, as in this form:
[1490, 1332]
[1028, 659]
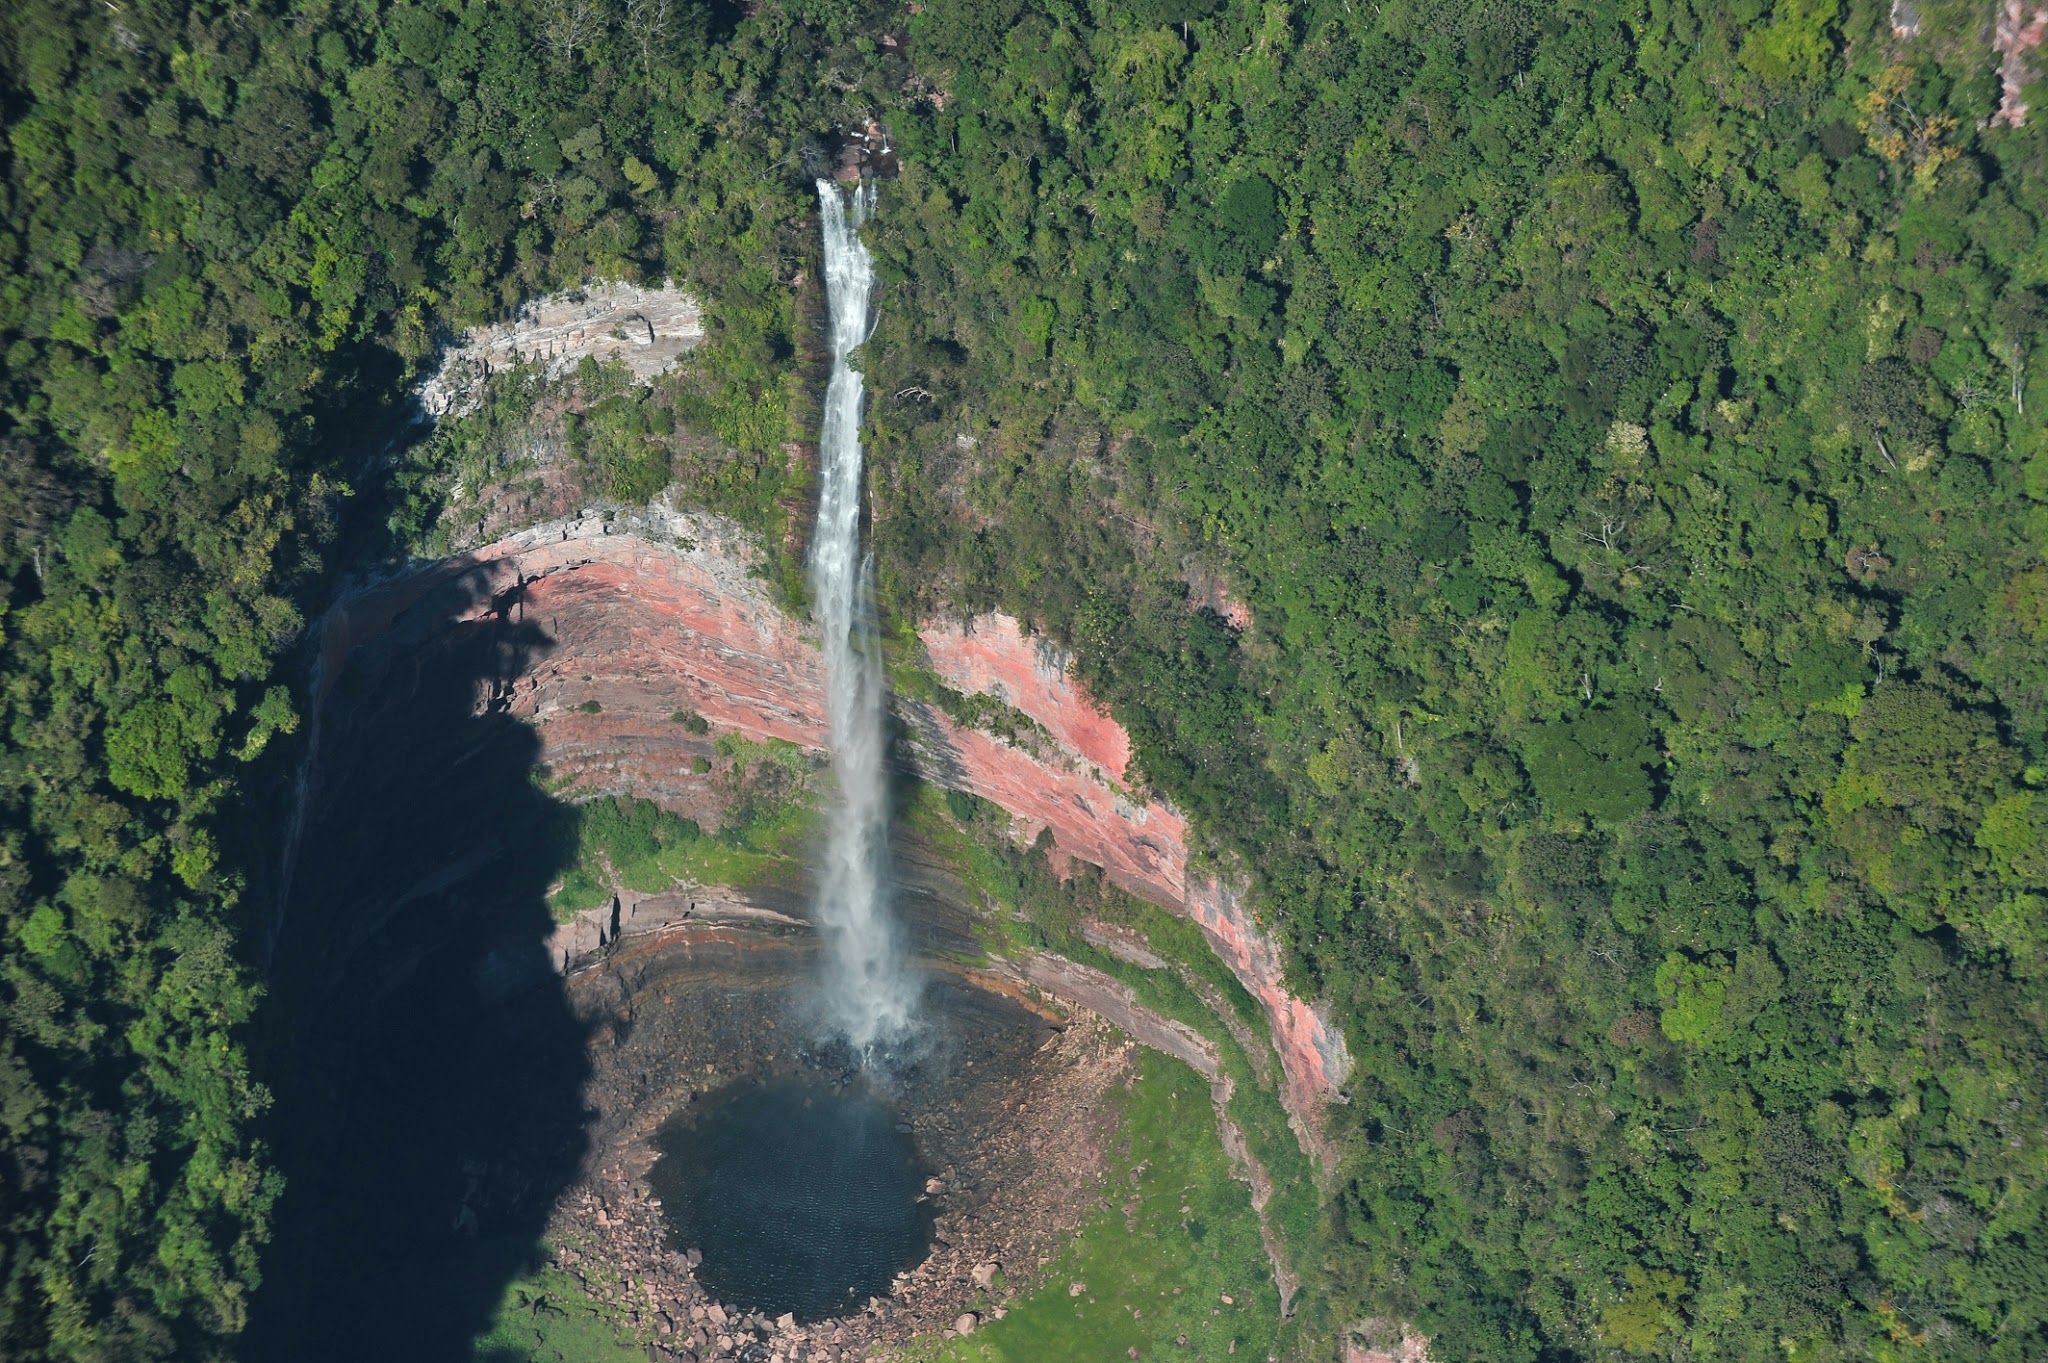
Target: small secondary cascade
[870, 995]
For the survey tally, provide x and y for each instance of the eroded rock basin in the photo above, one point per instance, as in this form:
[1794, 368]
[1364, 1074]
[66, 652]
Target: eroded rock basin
[806, 1194]
[1004, 1111]
[474, 1089]
[465, 1117]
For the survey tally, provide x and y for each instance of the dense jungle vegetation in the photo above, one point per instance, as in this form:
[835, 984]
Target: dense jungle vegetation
[228, 234]
[1619, 428]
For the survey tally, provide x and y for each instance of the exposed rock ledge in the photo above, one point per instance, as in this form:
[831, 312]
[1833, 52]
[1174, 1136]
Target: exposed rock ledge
[648, 329]
[1105, 996]
[652, 610]
[1142, 847]
[2017, 36]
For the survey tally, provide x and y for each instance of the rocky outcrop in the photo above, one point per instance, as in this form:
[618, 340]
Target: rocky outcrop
[1384, 1341]
[1142, 846]
[1312, 1052]
[631, 914]
[1111, 999]
[648, 613]
[2018, 34]
[991, 655]
[648, 330]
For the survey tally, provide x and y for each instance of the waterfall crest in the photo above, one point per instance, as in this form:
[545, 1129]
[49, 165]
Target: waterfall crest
[870, 995]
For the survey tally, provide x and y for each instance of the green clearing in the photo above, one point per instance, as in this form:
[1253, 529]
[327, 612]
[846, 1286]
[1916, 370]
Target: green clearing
[624, 842]
[1159, 1274]
[545, 1315]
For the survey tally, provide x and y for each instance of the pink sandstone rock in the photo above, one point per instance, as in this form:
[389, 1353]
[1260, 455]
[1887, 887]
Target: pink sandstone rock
[1312, 1052]
[989, 655]
[2019, 32]
[1141, 847]
[663, 616]
[633, 615]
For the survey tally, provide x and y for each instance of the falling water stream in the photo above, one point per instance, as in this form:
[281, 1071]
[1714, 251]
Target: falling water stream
[870, 995]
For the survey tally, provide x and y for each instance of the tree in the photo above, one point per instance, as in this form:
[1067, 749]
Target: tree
[1919, 745]
[1886, 402]
[32, 502]
[570, 26]
[1597, 765]
[2021, 316]
[2015, 833]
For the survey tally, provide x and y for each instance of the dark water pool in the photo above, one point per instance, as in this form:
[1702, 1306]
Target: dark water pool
[802, 1195]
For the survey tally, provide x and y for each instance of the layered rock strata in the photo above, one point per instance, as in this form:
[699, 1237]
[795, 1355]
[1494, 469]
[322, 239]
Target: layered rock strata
[1141, 845]
[646, 613]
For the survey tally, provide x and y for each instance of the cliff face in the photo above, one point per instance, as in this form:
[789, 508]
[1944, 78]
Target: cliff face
[1141, 846]
[993, 656]
[650, 613]
[649, 330]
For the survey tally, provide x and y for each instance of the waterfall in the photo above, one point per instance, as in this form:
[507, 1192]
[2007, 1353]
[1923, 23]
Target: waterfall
[870, 994]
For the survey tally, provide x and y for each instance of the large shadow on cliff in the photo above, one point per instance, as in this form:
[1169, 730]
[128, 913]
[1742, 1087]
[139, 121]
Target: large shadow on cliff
[428, 1065]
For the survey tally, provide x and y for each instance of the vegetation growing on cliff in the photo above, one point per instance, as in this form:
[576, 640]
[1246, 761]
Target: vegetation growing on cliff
[1623, 424]
[1064, 910]
[1615, 421]
[619, 842]
[536, 447]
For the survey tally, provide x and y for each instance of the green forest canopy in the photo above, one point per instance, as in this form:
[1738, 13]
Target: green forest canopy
[1622, 423]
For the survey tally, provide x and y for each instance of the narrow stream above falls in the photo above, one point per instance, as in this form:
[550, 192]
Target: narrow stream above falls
[802, 1194]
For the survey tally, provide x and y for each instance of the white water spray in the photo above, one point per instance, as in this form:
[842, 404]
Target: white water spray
[870, 995]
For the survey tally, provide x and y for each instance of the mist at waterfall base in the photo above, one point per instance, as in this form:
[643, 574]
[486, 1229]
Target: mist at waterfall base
[870, 996]
[802, 1194]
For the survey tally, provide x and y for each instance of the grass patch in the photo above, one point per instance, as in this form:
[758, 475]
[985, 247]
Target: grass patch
[1038, 910]
[627, 843]
[1159, 1274]
[545, 1316]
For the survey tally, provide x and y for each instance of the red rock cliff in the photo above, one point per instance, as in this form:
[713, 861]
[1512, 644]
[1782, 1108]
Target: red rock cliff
[653, 612]
[1143, 847]
[993, 656]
